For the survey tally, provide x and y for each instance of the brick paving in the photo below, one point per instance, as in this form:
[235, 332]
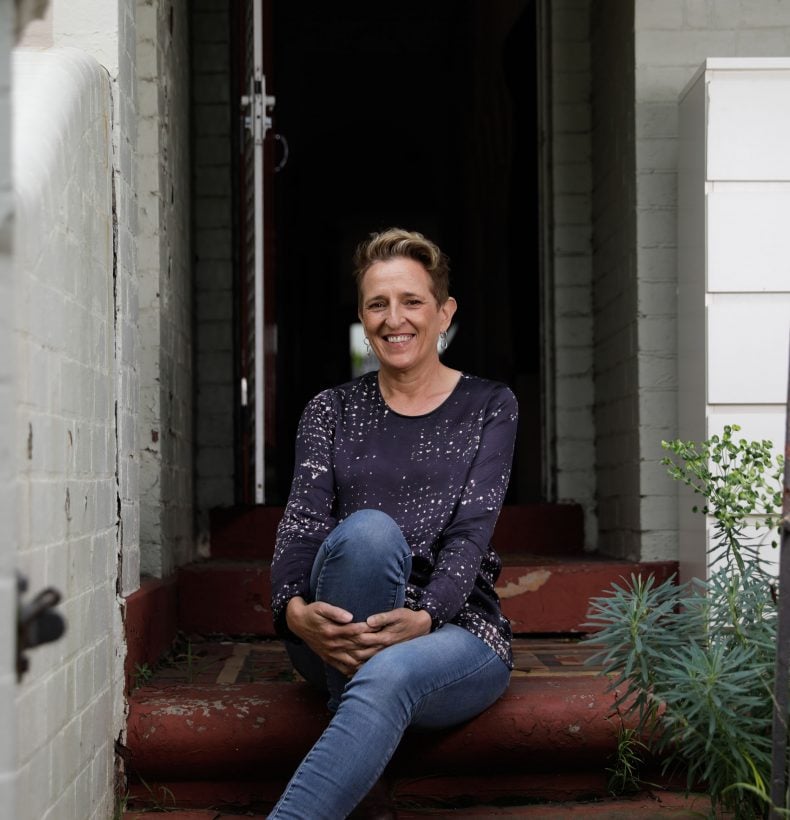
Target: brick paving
[200, 660]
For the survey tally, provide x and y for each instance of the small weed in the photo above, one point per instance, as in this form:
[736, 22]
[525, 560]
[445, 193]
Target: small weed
[167, 801]
[186, 660]
[121, 802]
[142, 674]
[624, 773]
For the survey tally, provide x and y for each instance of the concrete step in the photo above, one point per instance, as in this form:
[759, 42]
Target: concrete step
[236, 710]
[540, 594]
[248, 532]
[224, 724]
[645, 806]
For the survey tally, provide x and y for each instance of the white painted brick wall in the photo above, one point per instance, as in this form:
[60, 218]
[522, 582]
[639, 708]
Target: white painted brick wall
[7, 433]
[672, 38]
[213, 262]
[571, 185]
[127, 388]
[165, 276]
[615, 276]
[69, 708]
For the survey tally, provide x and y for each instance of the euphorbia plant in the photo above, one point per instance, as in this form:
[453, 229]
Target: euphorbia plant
[695, 662]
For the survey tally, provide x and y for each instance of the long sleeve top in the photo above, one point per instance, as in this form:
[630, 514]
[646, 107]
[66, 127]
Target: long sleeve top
[441, 476]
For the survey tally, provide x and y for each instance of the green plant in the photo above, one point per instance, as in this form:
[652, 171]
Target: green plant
[142, 674]
[121, 804]
[692, 664]
[188, 660]
[165, 803]
[628, 759]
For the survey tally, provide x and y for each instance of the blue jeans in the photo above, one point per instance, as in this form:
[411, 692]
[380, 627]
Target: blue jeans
[431, 682]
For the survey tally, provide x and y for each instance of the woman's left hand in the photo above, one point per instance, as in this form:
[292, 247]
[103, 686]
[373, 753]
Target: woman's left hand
[395, 626]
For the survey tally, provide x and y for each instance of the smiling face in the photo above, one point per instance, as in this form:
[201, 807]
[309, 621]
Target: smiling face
[400, 314]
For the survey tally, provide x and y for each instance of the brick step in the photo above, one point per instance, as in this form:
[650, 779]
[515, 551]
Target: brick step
[224, 724]
[210, 731]
[248, 532]
[236, 710]
[645, 806]
[540, 594]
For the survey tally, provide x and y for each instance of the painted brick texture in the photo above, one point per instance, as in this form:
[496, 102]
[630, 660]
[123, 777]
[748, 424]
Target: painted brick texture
[212, 220]
[127, 385]
[571, 185]
[671, 41]
[615, 280]
[7, 429]
[69, 708]
[165, 297]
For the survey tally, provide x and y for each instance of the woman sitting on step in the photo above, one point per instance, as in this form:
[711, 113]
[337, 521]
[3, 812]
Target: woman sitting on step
[383, 574]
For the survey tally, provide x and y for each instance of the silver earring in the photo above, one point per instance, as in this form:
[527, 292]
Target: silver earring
[368, 351]
[443, 341]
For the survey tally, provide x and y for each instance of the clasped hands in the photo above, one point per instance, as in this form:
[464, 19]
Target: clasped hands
[329, 631]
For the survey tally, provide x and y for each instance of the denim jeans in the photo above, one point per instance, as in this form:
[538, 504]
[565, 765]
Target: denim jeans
[434, 681]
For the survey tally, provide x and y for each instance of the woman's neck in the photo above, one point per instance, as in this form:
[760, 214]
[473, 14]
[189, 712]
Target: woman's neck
[414, 394]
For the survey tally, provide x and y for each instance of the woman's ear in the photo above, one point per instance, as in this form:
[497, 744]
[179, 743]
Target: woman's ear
[448, 310]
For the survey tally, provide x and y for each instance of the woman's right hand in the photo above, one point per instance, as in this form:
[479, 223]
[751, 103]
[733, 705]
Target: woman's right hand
[328, 630]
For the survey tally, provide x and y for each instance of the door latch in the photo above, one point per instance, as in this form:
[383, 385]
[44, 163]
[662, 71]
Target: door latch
[36, 622]
[259, 105]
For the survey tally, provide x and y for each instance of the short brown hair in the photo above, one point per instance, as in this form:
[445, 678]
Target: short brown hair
[396, 242]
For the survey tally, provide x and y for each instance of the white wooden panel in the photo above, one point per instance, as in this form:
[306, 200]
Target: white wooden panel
[749, 129]
[749, 240]
[757, 424]
[748, 349]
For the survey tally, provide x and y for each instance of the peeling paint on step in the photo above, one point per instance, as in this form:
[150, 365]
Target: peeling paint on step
[531, 582]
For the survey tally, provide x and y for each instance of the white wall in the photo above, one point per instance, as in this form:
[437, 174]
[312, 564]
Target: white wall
[165, 275]
[65, 446]
[672, 38]
[7, 433]
[212, 219]
[734, 268]
[614, 281]
[643, 54]
[124, 135]
[572, 310]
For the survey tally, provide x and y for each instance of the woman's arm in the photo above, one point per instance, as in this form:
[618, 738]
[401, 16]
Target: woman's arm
[309, 514]
[466, 539]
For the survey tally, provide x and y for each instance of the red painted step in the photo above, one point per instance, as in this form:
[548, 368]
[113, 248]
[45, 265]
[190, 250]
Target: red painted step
[226, 722]
[645, 806]
[247, 533]
[539, 594]
[211, 731]
[236, 709]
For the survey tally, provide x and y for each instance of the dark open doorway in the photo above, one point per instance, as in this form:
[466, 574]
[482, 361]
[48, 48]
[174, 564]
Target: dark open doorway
[416, 114]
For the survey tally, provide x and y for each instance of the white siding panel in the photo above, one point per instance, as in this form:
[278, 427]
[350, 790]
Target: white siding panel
[748, 350]
[750, 248]
[756, 423]
[749, 130]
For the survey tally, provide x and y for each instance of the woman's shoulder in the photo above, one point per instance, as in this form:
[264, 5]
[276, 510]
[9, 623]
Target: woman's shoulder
[488, 390]
[359, 389]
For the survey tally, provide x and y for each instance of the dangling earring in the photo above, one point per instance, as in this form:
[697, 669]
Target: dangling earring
[368, 350]
[443, 341]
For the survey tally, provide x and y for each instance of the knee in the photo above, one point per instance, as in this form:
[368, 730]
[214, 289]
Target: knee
[384, 679]
[372, 532]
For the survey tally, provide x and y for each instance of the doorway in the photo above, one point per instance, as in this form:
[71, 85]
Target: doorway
[418, 115]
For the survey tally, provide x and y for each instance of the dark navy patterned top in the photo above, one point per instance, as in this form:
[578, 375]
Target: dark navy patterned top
[441, 476]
